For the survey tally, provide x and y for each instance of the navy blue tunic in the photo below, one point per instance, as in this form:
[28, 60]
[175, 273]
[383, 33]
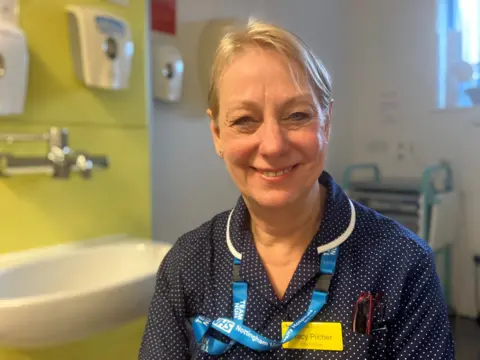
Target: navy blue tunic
[195, 278]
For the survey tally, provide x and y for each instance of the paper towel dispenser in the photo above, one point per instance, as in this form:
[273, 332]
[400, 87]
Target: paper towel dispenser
[14, 64]
[167, 69]
[101, 46]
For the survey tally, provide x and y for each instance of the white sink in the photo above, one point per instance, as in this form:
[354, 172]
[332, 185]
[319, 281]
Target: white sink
[77, 292]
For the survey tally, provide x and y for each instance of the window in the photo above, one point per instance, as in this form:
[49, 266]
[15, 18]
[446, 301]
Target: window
[458, 34]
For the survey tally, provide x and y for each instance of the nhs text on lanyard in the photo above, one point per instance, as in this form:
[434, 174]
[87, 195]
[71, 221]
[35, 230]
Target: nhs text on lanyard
[237, 332]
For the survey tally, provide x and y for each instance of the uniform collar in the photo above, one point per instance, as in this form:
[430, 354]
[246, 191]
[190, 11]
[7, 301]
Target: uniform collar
[337, 224]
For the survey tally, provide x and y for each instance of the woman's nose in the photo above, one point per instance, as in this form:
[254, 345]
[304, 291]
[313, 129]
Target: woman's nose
[272, 138]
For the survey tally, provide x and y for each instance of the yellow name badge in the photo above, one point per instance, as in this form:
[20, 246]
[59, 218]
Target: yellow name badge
[316, 336]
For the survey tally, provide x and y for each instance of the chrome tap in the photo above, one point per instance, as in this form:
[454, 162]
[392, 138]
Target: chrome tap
[60, 159]
[84, 164]
[58, 152]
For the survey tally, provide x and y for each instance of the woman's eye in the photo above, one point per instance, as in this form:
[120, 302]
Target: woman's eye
[244, 120]
[299, 116]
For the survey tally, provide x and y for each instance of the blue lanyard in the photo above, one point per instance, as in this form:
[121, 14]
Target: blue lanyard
[237, 332]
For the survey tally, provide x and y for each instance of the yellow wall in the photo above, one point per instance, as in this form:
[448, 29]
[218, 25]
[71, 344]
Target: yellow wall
[36, 210]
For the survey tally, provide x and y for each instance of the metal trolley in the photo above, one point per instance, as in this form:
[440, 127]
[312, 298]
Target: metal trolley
[426, 205]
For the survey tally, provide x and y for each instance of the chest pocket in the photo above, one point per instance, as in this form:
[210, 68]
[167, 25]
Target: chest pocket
[355, 345]
[359, 346]
[378, 344]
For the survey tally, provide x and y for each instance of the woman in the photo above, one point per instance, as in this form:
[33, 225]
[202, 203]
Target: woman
[294, 248]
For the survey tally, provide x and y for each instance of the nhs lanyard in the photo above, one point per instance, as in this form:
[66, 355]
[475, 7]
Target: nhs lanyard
[237, 332]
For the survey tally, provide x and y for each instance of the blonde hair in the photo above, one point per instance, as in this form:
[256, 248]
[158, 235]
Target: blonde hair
[269, 36]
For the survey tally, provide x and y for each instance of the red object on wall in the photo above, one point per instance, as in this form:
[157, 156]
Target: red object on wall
[164, 16]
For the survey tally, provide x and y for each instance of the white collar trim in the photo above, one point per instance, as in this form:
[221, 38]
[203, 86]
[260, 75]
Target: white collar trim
[321, 249]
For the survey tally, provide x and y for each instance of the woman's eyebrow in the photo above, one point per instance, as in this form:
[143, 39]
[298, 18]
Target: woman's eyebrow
[251, 104]
[299, 98]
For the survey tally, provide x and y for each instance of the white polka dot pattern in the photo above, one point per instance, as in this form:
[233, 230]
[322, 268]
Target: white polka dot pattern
[380, 255]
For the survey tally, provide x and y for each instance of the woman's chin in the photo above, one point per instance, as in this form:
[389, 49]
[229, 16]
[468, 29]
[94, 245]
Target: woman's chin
[273, 199]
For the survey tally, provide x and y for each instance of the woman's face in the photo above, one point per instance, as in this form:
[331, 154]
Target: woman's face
[270, 129]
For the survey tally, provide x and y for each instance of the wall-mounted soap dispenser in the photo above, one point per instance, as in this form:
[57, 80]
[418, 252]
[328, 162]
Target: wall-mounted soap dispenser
[101, 46]
[14, 61]
[167, 69]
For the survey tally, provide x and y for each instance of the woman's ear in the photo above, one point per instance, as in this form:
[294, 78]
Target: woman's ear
[215, 132]
[328, 121]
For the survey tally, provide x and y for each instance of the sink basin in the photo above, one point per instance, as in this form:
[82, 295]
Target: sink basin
[77, 293]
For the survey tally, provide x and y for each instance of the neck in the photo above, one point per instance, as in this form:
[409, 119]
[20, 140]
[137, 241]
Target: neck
[291, 226]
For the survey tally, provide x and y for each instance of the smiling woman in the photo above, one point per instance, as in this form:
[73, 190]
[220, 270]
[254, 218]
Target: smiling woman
[296, 269]
[271, 129]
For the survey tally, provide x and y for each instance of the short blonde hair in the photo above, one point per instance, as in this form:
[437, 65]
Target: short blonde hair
[269, 36]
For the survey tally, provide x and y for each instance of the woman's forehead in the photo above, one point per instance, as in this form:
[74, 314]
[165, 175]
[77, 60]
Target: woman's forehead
[255, 74]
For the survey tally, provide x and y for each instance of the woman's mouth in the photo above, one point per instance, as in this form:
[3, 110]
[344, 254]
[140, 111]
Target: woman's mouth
[276, 173]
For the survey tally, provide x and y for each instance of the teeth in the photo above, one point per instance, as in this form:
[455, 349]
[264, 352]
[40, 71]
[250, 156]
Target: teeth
[272, 174]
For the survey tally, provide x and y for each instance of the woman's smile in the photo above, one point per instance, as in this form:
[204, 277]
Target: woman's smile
[275, 174]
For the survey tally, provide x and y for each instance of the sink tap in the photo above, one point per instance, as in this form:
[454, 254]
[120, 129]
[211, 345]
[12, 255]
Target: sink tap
[84, 164]
[60, 159]
[58, 152]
